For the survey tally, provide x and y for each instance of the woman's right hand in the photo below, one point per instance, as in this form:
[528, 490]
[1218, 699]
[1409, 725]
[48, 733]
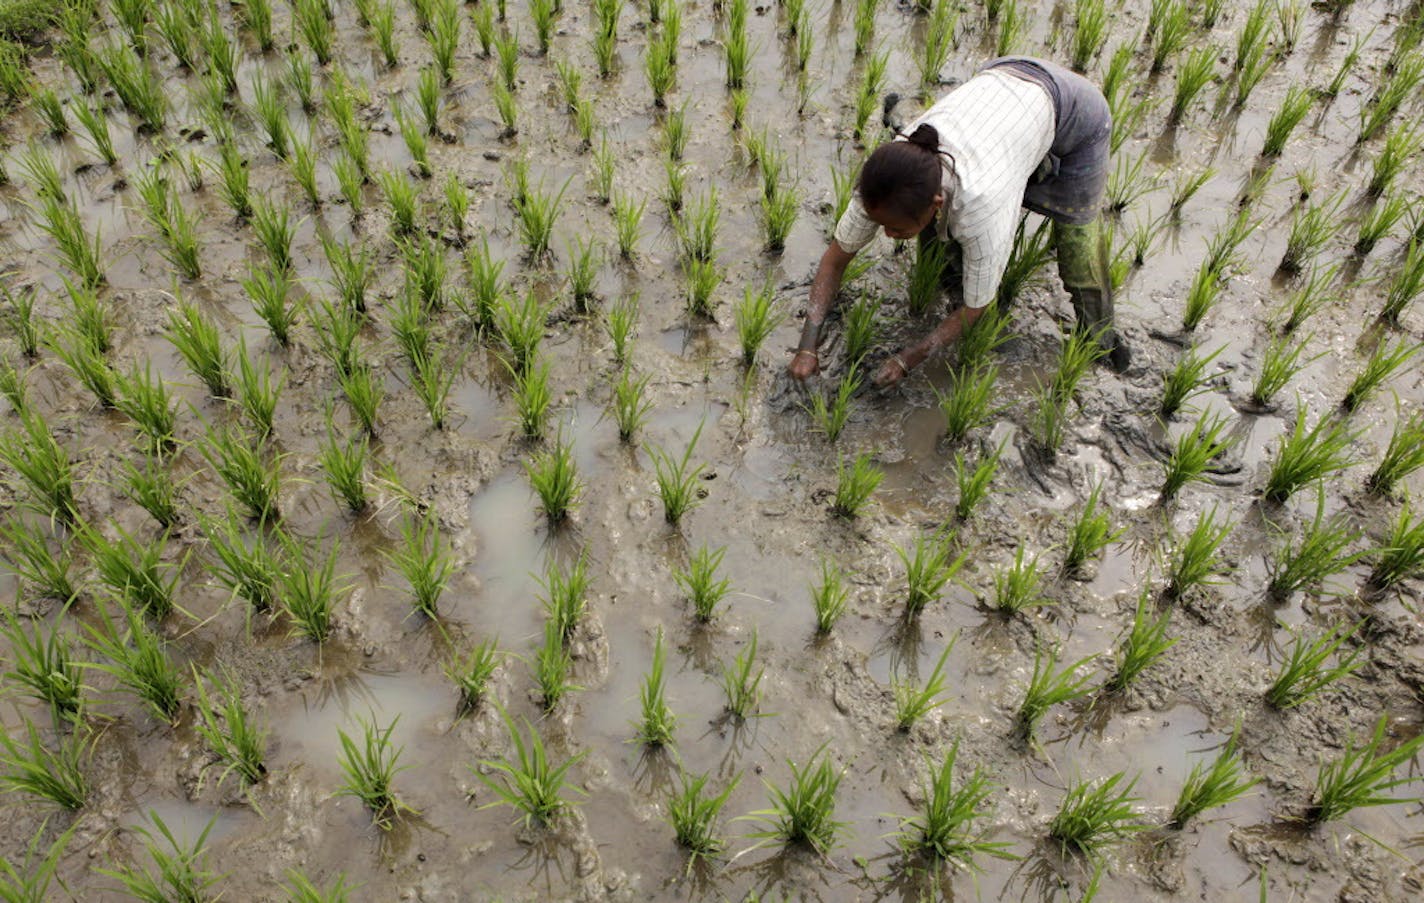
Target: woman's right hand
[804, 364]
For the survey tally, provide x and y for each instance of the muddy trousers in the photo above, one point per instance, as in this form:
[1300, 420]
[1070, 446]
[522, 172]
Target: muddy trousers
[1082, 252]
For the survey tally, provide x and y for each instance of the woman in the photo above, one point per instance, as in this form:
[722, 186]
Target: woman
[1021, 132]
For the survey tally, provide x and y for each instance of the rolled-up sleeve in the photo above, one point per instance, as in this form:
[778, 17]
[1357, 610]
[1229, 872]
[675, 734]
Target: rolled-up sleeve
[855, 229]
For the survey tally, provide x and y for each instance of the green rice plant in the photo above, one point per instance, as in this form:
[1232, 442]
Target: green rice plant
[182, 868]
[235, 737]
[1017, 587]
[660, 67]
[658, 721]
[1321, 553]
[1313, 296]
[630, 406]
[757, 316]
[537, 215]
[674, 193]
[43, 667]
[1194, 73]
[269, 108]
[1196, 449]
[1347, 66]
[697, 227]
[864, 25]
[1254, 35]
[938, 43]
[1186, 379]
[554, 478]
[177, 25]
[275, 232]
[486, 283]
[1092, 816]
[532, 398]
[736, 46]
[1407, 285]
[257, 394]
[570, 82]
[27, 880]
[1384, 362]
[351, 181]
[76, 249]
[521, 326]
[303, 165]
[1294, 107]
[1376, 223]
[552, 664]
[703, 277]
[627, 220]
[363, 389]
[1091, 27]
[1168, 28]
[167, 214]
[1307, 456]
[140, 91]
[471, 674]
[923, 283]
[47, 104]
[945, 830]
[19, 316]
[567, 591]
[42, 173]
[1400, 85]
[337, 329]
[311, 19]
[301, 81]
[250, 571]
[1143, 645]
[740, 686]
[433, 379]
[344, 466]
[529, 782]
[1010, 24]
[1130, 180]
[700, 582]
[804, 813]
[677, 479]
[872, 86]
[87, 364]
[153, 490]
[507, 106]
[309, 589]
[416, 140]
[605, 35]
[428, 99]
[13, 387]
[1090, 531]
[382, 20]
[55, 776]
[400, 195]
[27, 553]
[1280, 363]
[1361, 775]
[300, 889]
[1304, 674]
[43, 466]
[1187, 186]
[604, 163]
[1197, 560]
[424, 561]
[778, 215]
[693, 812]
[861, 328]
[831, 413]
[233, 180]
[620, 323]
[983, 337]
[443, 36]
[973, 484]
[506, 52]
[352, 271]
[253, 482]
[145, 401]
[829, 597]
[1209, 787]
[1403, 456]
[1076, 355]
[915, 702]
[255, 16]
[929, 566]
[1401, 145]
[1046, 689]
[584, 259]
[542, 13]
[370, 768]
[1312, 227]
[131, 570]
[854, 485]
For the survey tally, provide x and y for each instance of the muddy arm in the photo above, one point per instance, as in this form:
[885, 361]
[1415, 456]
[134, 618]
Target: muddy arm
[948, 330]
[824, 288]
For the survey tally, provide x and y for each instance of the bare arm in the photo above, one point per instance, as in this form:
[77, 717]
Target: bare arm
[948, 330]
[824, 288]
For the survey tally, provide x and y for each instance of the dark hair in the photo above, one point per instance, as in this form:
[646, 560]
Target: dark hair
[902, 177]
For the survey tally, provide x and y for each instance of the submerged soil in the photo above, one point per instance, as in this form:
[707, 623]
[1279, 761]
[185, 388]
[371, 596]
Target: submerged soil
[765, 498]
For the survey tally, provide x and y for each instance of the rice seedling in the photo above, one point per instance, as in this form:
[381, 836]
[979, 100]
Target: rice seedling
[537, 214]
[1401, 145]
[677, 479]
[1196, 449]
[1092, 815]
[945, 830]
[605, 35]
[1294, 107]
[1090, 532]
[1225, 780]
[471, 674]
[275, 232]
[831, 414]
[182, 873]
[938, 43]
[658, 721]
[1402, 555]
[1376, 223]
[233, 181]
[740, 686]
[700, 582]
[257, 394]
[1400, 85]
[703, 277]
[145, 401]
[344, 465]
[140, 91]
[1144, 644]
[1280, 363]
[864, 24]
[337, 329]
[87, 363]
[1407, 285]
[269, 108]
[736, 46]
[1130, 180]
[1384, 362]
[1321, 553]
[54, 776]
[584, 260]
[131, 570]
[249, 571]
[76, 249]
[554, 478]
[433, 380]
[252, 481]
[424, 561]
[507, 106]
[1305, 674]
[370, 768]
[1187, 186]
[529, 782]
[352, 271]
[627, 220]
[1361, 775]
[19, 316]
[300, 889]
[1307, 456]
[804, 813]
[1077, 354]
[43, 466]
[1186, 379]
[177, 25]
[676, 189]
[914, 702]
[660, 67]
[27, 880]
[867, 98]
[778, 215]
[416, 140]
[1091, 27]
[829, 597]
[1046, 689]
[232, 733]
[42, 174]
[13, 387]
[153, 490]
[929, 566]
[350, 180]
[693, 812]
[400, 195]
[43, 667]
[521, 326]
[47, 104]
[532, 398]
[166, 213]
[28, 555]
[601, 181]
[1193, 74]
[310, 589]
[630, 407]
[757, 316]
[854, 485]
[1403, 456]
[552, 664]
[923, 282]
[973, 484]
[1312, 227]
[1205, 291]
[1017, 587]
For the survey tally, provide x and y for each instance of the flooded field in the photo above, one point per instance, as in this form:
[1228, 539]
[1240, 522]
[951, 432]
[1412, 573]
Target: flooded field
[389, 267]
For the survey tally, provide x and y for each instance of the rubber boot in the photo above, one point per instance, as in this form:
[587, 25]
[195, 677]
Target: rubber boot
[1095, 317]
[1083, 267]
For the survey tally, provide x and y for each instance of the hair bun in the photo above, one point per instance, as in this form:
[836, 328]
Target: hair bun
[926, 136]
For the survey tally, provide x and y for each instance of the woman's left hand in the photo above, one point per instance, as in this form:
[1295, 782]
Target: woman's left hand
[891, 372]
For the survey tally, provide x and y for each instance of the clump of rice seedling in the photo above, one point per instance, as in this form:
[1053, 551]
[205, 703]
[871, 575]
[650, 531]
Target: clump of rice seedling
[56, 776]
[1202, 296]
[1401, 145]
[1320, 554]
[693, 812]
[444, 38]
[138, 661]
[532, 398]
[310, 589]
[922, 286]
[1046, 689]
[864, 25]
[301, 889]
[400, 195]
[583, 269]
[139, 90]
[973, 484]
[145, 401]
[250, 571]
[1197, 558]
[1383, 363]
[47, 104]
[677, 479]
[1308, 456]
[1279, 364]
[854, 485]
[660, 67]
[658, 722]
[471, 674]
[862, 328]
[521, 325]
[253, 482]
[740, 685]
[196, 339]
[968, 404]
[230, 731]
[627, 220]
[757, 316]
[311, 19]
[630, 408]
[433, 379]
[487, 288]
[1210, 787]
[831, 416]
[1312, 228]
[938, 43]
[43, 667]
[1168, 28]
[872, 85]
[28, 555]
[676, 186]
[130, 569]
[153, 489]
[537, 214]
[736, 46]
[1402, 554]
[42, 173]
[554, 478]
[1077, 354]
[1196, 449]
[1305, 675]
[1130, 180]
[1016, 587]
[1400, 85]
[700, 582]
[351, 181]
[1090, 531]
[829, 597]
[1361, 775]
[20, 317]
[567, 595]
[913, 703]
[233, 179]
[1143, 645]
[945, 830]
[778, 213]
[270, 110]
[27, 880]
[364, 390]
[1091, 27]
[77, 250]
[370, 768]
[43, 466]
[1187, 186]
[552, 664]
[182, 873]
[703, 277]
[1188, 378]
[13, 387]
[257, 394]
[529, 782]
[1293, 109]
[929, 566]
[424, 561]
[457, 205]
[84, 358]
[1193, 74]
[1407, 285]
[1313, 296]
[804, 813]
[1091, 816]
[1403, 455]
[1378, 222]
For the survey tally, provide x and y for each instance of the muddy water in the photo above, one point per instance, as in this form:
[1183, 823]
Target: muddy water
[767, 480]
